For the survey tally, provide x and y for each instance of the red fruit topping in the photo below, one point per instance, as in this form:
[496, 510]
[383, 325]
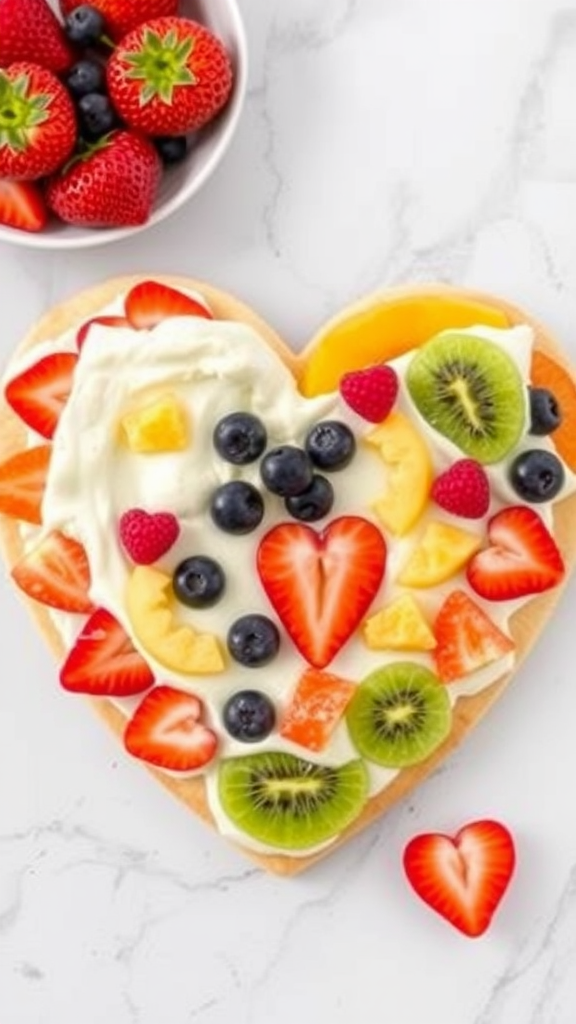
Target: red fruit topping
[37, 122]
[39, 394]
[56, 573]
[146, 537]
[122, 16]
[113, 184]
[316, 708]
[22, 206]
[29, 30]
[169, 76]
[466, 638]
[22, 482]
[371, 392]
[104, 321]
[462, 878]
[149, 303]
[463, 490]
[104, 661]
[321, 584]
[522, 558]
[166, 731]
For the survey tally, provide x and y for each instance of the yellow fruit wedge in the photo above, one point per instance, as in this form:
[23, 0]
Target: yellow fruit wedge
[409, 473]
[378, 332]
[400, 626]
[159, 426]
[442, 551]
[177, 647]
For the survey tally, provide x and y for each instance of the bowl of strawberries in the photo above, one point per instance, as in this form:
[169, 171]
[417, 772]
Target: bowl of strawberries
[112, 114]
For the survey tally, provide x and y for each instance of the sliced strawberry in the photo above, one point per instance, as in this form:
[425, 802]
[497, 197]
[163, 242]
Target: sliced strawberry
[166, 731]
[317, 705]
[149, 303]
[22, 205]
[522, 558]
[104, 661]
[56, 573]
[39, 393]
[462, 878]
[321, 584]
[104, 321]
[467, 639]
[22, 483]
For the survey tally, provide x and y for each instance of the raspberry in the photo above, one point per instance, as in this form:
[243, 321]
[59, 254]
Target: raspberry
[146, 537]
[371, 392]
[463, 490]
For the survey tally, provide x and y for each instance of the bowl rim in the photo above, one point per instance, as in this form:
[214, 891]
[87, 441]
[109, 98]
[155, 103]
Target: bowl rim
[105, 236]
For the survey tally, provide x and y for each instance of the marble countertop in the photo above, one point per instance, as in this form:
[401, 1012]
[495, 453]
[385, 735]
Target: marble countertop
[381, 143]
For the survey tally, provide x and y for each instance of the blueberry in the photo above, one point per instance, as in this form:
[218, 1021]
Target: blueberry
[84, 25]
[537, 475]
[240, 438]
[84, 77]
[198, 581]
[314, 503]
[171, 148]
[249, 716]
[97, 115]
[330, 444]
[237, 507]
[253, 640]
[545, 414]
[286, 471]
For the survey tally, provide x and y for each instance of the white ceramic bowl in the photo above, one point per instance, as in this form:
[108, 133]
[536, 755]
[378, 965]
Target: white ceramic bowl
[181, 182]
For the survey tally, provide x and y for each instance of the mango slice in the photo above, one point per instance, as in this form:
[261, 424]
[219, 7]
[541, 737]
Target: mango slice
[409, 472]
[383, 331]
[443, 550]
[161, 425]
[177, 647]
[400, 626]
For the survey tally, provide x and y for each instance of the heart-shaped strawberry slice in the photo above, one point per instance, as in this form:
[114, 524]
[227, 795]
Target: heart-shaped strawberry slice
[465, 877]
[147, 536]
[166, 730]
[522, 558]
[321, 584]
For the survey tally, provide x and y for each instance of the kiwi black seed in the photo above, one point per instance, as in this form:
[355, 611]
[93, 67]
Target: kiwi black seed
[471, 391]
[399, 715]
[289, 803]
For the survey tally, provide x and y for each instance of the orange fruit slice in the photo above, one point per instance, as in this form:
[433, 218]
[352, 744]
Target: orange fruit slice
[548, 374]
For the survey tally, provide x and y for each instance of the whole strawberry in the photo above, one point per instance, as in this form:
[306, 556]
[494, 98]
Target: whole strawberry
[169, 76]
[122, 16]
[113, 184]
[37, 122]
[29, 30]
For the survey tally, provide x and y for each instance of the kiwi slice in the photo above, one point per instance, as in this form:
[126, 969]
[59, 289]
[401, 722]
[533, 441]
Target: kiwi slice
[471, 391]
[289, 803]
[399, 715]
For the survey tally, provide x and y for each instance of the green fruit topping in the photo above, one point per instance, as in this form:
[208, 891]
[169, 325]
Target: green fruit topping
[399, 715]
[289, 803]
[471, 391]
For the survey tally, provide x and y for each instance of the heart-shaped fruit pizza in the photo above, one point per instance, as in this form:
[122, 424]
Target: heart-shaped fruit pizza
[291, 584]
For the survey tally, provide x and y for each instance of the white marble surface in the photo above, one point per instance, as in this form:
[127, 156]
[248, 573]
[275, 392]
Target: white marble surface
[382, 142]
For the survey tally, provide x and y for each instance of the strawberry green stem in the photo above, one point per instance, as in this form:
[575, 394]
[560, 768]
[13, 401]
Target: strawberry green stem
[20, 113]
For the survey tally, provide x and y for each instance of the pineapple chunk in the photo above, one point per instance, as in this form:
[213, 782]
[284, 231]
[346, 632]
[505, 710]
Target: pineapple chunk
[441, 553]
[177, 647]
[409, 473]
[400, 626]
[159, 426]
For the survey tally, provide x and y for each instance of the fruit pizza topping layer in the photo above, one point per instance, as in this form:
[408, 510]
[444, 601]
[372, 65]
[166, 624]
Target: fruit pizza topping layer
[95, 107]
[284, 593]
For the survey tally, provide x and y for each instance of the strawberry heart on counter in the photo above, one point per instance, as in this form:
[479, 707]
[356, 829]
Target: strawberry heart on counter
[321, 584]
[463, 878]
